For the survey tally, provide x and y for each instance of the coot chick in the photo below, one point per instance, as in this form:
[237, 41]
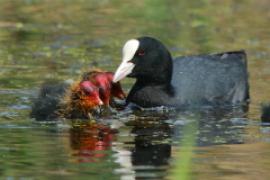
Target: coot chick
[81, 99]
[215, 79]
[47, 104]
[265, 117]
[104, 81]
[62, 99]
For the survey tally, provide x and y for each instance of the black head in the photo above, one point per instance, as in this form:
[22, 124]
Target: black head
[147, 60]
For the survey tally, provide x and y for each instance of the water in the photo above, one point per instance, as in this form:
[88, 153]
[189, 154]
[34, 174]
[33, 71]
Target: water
[41, 40]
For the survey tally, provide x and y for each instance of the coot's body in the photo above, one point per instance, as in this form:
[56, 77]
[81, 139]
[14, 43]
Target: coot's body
[217, 79]
[265, 117]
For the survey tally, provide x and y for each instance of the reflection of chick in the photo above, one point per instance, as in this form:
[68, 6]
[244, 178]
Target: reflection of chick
[90, 141]
[81, 100]
[107, 89]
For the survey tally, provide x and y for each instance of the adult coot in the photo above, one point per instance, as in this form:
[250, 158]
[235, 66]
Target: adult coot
[216, 79]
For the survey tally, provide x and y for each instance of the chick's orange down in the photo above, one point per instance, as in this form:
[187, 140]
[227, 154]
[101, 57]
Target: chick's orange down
[82, 100]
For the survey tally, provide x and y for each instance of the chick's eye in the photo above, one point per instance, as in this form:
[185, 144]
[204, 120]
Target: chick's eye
[141, 52]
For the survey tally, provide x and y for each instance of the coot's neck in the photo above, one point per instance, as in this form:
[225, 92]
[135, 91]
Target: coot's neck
[142, 86]
[149, 82]
[159, 80]
[162, 73]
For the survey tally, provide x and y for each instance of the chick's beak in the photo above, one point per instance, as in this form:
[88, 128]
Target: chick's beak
[100, 102]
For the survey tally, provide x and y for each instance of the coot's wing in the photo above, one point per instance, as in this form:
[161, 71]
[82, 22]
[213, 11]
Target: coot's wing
[215, 79]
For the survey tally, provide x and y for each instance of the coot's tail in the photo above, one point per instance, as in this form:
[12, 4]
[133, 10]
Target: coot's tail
[265, 117]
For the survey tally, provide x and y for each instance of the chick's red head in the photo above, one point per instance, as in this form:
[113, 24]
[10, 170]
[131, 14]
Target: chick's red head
[104, 81]
[108, 89]
[91, 96]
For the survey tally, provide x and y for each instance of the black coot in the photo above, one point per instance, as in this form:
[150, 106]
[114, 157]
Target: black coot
[216, 79]
[265, 117]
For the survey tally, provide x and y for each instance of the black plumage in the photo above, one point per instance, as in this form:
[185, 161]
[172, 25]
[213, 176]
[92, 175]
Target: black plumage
[216, 79]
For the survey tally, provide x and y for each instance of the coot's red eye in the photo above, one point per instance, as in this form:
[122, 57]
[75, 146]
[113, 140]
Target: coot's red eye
[141, 52]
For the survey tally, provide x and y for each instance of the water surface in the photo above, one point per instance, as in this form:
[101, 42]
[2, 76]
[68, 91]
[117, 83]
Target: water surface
[41, 40]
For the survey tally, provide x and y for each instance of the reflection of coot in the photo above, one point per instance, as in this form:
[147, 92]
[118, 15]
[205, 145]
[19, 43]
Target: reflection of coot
[221, 126]
[149, 149]
[151, 154]
[152, 151]
[265, 117]
[158, 133]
